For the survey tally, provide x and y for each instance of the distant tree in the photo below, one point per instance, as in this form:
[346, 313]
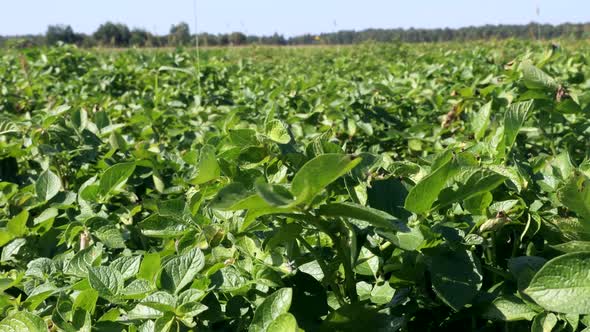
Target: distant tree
[223, 39]
[113, 34]
[63, 33]
[140, 37]
[180, 35]
[237, 38]
[207, 39]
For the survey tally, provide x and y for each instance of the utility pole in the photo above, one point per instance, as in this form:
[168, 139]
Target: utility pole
[538, 22]
[197, 47]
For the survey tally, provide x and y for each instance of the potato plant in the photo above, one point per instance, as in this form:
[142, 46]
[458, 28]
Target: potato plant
[368, 188]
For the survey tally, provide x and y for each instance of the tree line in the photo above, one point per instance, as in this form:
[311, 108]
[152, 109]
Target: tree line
[112, 34]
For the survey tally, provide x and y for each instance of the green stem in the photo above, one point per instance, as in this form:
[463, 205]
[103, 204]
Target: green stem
[341, 246]
[343, 250]
[327, 275]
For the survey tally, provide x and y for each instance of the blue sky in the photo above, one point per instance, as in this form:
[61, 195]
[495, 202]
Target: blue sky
[287, 17]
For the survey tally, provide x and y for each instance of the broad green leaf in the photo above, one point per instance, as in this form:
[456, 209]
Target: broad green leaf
[375, 217]
[150, 266]
[563, 285]
[191, 309]
[513, 121]
[141, 311]
[235, 196]
[11, 249]
[276, 131]
[481, 121]
[575, 195]
[115, 177]
[481, 181]
[456, 277]
[40, 267]
[318, 173]
[165, 323]
[47, 186]
[544, 322]
[128, 266]
[271, 308]
[208, 168]
[86, 300]
[162, 301]
[523, 268]
[408, 238]
[535, 78]
[382, 294]
[137, 289]
[23, 321]
[424, 194]
[18, 224]
[110, 236]
[38, 295]
[509, 309]
[359, 317]
[163, 227]
[181, 270]
[273, 194]
[283, 323]
[85, 258]
[107, 281]
[572, 246]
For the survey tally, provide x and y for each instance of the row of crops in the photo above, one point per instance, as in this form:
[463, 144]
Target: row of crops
[367, 188]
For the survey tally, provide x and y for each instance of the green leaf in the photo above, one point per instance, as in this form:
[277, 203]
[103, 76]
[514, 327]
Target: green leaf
[11, 249]
[163, 227]
[191, 309]
[358, 317]
[276, 131]
[513, 121]
[409, 238]
[544, 322]
[18, 224]
[86, 300]
[128, 266]
[162, 301]
[271, 308]
[208, 168]
[575, 195]
[424, 193]
[273, 194]
[165, 323]
[481, 181]
[23, 321]
[508, 308]
[456, 277]
[382, 294]
[150, 266]
[47, 186]
[115, 177]
[106, 280]
[85, 258]
[283, 323]
[375, 217]
[110, 236]
[137, 289]
[572, 246]
[318, 173]
[181, 270]
[563, 285]
[481, 121]
[535, 78]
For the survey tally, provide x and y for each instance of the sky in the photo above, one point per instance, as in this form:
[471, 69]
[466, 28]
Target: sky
[295, 17]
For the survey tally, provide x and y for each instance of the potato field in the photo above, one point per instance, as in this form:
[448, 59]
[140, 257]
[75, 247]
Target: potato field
[400, 187]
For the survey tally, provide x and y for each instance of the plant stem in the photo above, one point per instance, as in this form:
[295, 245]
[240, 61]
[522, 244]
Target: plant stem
[324, 267]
